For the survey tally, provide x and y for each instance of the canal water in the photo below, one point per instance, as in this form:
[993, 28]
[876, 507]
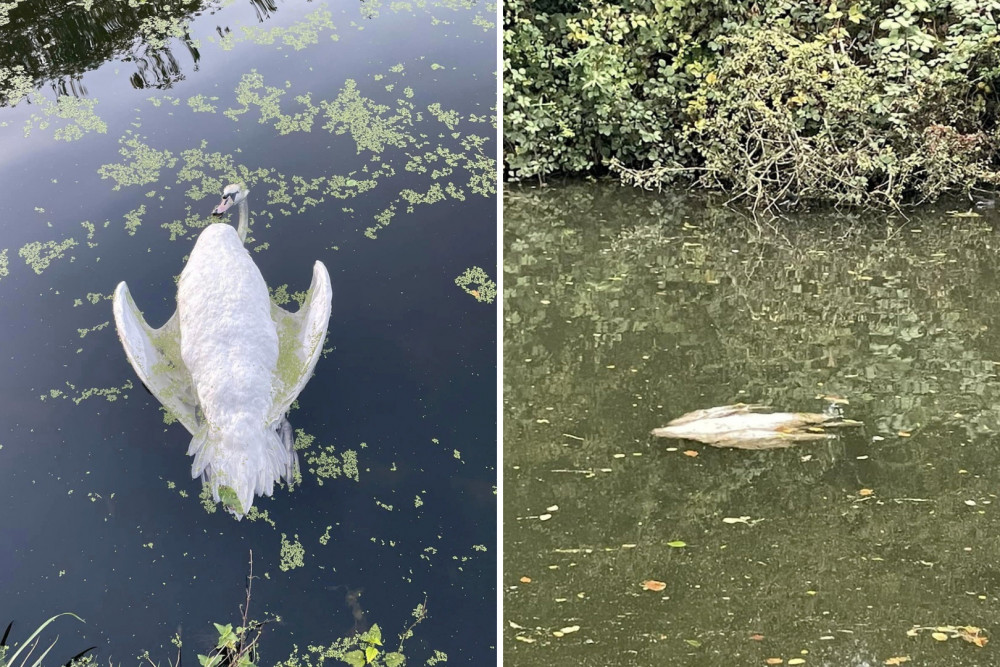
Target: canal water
[366, 134]
[625, 309]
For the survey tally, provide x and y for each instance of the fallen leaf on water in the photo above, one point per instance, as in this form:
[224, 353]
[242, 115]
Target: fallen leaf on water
[796, 661]
[757, 638]
[774, 661]
[940, 636]
[690, 452]
[971, 633]
[567, 630]
[732, 519]
[676, 544]
[693, 642]
[515, 625]
[526, 640]
[865, 492]
[525, 580]
[898, 660]
[653, 585]
[904, 434]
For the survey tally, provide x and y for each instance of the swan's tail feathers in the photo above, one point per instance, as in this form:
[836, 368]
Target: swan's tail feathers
[238, 469]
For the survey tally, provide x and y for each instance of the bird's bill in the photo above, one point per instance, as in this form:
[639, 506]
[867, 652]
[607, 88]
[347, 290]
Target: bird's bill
[223, 206]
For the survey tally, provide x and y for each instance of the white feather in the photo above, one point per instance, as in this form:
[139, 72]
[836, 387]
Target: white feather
[242, 361]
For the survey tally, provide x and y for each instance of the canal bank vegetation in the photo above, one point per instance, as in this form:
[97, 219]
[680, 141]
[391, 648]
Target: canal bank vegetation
[239, 646]
[779, 102]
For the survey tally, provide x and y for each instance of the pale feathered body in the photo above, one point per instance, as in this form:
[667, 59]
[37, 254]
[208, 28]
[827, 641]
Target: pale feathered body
[229, 344]
[229, 363]
[743, 427]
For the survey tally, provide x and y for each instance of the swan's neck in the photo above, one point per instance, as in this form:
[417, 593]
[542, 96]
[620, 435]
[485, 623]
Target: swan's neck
[244, 225]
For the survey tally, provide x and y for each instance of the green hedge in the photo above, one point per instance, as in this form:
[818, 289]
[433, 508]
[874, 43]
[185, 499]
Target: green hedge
[779, 101]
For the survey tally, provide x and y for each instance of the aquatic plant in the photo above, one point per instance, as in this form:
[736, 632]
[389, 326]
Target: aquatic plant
[485, 290]
[365, 648]
[21, 659]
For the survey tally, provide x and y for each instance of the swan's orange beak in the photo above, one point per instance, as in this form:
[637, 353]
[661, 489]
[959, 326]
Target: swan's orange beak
[223, 206]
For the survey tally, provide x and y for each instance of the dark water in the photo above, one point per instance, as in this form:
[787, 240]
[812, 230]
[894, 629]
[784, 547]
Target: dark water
[624, 310]
[91, 524]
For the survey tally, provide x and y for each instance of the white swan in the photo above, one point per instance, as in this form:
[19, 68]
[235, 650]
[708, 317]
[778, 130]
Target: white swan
[229, 362]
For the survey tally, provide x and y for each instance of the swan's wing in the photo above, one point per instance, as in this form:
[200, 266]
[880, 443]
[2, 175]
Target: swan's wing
[155, 354]
[300, 341]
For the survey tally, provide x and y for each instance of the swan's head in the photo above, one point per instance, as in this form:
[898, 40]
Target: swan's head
[232, 194]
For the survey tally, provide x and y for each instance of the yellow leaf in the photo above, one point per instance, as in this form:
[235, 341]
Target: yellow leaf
[796, 661]
[774, 661]
[711, 78]
[898, 660]
[653, 585]
[865, 492]
[940, 636]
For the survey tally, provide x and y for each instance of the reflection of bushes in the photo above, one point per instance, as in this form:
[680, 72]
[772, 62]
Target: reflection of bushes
[779, 102]
[816, 309]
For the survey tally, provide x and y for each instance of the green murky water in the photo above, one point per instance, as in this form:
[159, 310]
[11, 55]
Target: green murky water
[624, 310]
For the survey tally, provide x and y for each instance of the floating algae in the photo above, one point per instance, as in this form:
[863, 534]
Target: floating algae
[141, 166]
[292, 553]
[77, 111]
[39, 255]
[248, 93]
[201, 104]
[485, 290]
[299, 35]
[134, 218]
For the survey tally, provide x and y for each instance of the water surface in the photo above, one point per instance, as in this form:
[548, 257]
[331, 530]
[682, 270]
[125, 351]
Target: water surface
[624, 310]
[365, 133]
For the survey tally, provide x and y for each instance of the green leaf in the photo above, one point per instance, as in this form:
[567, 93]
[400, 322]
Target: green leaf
[354, 658]
[370, 653]
[677, 544]
[393, 659]
[210, 661]
[373, 636]
[29, 640]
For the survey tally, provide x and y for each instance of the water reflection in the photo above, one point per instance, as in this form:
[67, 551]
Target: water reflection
[54, 42]
[624, 310]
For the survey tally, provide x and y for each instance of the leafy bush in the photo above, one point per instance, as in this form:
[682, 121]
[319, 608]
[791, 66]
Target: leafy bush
[779, 101]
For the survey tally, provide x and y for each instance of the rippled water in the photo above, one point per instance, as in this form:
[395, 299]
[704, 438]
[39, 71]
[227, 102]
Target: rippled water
[366, 134]
[624, 310]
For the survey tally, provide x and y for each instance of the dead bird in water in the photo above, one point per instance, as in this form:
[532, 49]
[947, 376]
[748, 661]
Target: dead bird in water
[746, 427]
